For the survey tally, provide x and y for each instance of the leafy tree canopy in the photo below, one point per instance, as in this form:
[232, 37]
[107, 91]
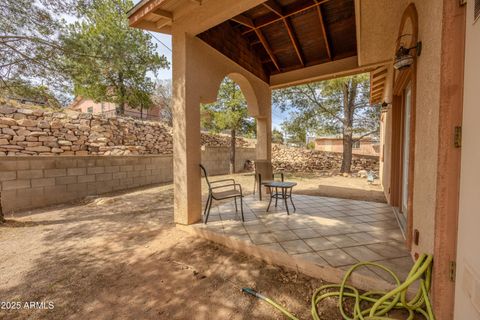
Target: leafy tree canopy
[334, 107]
[277, 136]
[322, 108]
[29, 44]
[115, 60]
[229, 112]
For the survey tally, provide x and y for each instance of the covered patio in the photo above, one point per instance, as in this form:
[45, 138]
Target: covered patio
[324, 233]
[263, 45]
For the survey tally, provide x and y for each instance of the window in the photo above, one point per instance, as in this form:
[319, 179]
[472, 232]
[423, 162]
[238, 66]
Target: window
[356, 145]
[90, 109]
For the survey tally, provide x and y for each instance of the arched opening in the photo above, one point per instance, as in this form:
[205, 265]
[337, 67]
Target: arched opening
[228, 127]
[403, 127]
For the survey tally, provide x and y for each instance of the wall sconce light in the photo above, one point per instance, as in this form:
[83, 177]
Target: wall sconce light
[385, 107]
[403, 57]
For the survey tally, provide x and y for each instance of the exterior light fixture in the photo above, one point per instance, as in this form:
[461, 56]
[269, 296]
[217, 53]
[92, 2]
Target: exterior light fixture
[403, 58]
[385, 107]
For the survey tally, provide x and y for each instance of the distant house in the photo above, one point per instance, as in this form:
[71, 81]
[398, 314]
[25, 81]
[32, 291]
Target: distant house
[365, 146]
[109, 109]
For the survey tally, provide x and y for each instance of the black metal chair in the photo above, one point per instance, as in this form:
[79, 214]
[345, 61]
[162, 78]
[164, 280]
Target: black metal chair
[263, 175]
[227, 189]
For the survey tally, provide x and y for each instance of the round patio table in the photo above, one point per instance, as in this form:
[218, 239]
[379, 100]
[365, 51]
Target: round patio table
[283, 191]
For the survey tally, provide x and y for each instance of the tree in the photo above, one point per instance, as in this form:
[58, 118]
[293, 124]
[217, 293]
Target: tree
[277, 136]
[162, 98]
[115, 59]
[29, 43]
[27, 92]
[339, 106]
[229, 112]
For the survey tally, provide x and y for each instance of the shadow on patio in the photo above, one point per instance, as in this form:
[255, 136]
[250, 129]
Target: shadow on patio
[328, 232]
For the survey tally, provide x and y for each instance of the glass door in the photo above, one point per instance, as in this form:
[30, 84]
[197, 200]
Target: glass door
[406, 149]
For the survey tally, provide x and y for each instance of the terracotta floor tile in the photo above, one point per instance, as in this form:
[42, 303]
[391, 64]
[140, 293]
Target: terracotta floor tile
[337, 257]
[362, 253]
[295, 246]
[285, 235]
[262, 238]
[312, 257]
[321, 243]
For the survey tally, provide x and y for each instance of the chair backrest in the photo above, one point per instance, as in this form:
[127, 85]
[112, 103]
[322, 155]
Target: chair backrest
[264, 168]
[204, 173]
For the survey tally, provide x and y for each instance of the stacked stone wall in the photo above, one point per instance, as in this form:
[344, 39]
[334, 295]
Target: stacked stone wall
[36, 131]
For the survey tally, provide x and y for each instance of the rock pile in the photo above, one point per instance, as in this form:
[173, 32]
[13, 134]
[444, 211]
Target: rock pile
[25, 132]
[300, 160]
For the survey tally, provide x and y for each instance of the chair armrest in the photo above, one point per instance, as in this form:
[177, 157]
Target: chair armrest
[224, 180]
[234, 185]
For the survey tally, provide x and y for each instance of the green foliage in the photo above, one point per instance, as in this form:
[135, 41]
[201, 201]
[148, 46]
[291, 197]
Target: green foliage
[322, 108]
[29, 48]
[277, 136]
[311, 145]
[229, 112]
[24, 91]
[112, 61]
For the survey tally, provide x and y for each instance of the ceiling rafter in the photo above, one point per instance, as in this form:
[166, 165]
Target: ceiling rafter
[324, 30]
[285, 15]
[269, 50]
[246, 21]
[274, 7]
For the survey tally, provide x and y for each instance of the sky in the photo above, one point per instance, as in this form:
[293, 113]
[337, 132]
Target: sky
[164, 43]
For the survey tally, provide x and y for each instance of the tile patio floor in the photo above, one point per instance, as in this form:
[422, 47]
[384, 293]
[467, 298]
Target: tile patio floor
[326, 231]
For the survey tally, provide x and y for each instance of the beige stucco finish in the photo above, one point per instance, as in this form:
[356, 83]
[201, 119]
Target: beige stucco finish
[197, 72]
[427, 106]
[468, 257]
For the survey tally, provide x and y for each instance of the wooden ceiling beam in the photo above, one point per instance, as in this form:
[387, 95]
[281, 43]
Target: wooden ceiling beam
[324, 30]
[285, 15]
[274, 7]
[265, 44]
[163, 13]
[294, 40]
[243, 20]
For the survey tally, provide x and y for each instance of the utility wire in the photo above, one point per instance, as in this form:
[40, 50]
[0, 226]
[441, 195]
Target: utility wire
[161, 42]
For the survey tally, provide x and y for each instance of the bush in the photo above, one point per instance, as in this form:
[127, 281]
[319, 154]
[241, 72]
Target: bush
[311, 145]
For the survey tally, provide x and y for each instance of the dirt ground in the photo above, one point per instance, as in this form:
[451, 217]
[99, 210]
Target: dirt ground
[121, 257]
[328, 186]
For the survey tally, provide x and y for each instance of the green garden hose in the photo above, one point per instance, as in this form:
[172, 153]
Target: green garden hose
[374, 305]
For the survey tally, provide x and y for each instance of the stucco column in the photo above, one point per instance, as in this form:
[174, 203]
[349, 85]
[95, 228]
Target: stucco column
[264, 129]
[186, 136]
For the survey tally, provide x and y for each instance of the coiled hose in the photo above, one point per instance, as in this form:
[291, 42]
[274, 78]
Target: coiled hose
[373, 305]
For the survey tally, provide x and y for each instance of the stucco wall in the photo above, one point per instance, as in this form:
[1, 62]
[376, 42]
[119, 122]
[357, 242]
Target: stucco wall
[336, 145]
[109, 108]
[468, 259]
[427, 108]
[427, 115]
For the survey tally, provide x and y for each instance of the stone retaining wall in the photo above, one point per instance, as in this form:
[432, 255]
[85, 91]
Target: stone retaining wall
[37, 131]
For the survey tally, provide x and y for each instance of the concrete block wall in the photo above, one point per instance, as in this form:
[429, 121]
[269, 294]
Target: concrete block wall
[216, 160]
[32, 182]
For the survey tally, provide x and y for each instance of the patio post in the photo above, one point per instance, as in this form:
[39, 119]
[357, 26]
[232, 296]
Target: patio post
[186, 135]
[264, 133]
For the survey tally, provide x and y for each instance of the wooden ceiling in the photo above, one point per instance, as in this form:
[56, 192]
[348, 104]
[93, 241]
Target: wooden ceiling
[283, 35]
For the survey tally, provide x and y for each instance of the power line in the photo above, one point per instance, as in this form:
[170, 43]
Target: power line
[161, 42]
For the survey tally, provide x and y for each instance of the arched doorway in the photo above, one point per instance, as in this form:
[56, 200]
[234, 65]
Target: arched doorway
[403, 126]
